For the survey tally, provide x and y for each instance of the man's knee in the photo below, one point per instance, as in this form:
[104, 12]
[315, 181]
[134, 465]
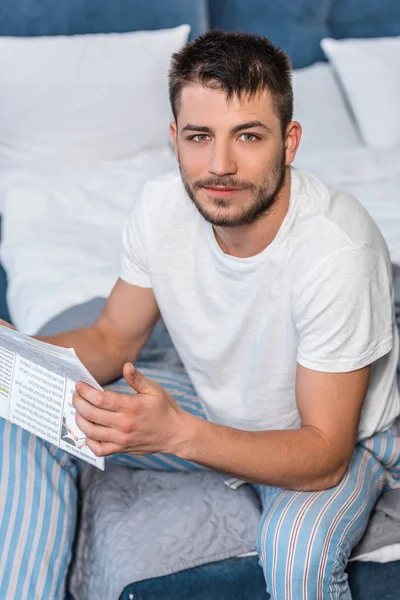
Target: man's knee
[301, 550]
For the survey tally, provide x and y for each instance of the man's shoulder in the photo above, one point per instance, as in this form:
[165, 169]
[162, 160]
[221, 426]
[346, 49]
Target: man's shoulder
[331, 220]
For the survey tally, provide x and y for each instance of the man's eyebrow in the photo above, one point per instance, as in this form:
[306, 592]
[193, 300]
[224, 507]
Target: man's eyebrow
[249, 125]
[241, 127]
[202, 128]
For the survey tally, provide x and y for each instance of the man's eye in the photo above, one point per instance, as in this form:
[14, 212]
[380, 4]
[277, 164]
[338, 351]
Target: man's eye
[199, 137]
[248, 137]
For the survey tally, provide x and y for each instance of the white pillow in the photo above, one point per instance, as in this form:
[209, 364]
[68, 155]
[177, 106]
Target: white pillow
[321, 110]
[370, 72]
[85, 97]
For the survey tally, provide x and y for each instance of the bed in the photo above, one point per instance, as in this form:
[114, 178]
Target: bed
[47, 194]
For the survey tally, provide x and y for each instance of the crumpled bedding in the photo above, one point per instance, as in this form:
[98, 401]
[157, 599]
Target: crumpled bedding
[137, 525]
[383, 529]
[75, 215]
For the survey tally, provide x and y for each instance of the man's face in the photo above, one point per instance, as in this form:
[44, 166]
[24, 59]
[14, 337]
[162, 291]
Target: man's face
[231, 154]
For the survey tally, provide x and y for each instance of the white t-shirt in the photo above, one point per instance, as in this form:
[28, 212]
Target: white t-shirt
[320, 295]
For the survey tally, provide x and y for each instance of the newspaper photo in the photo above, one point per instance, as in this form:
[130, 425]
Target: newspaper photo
[37, 381]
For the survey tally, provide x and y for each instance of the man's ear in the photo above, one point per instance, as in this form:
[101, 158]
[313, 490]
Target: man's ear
[292, 141]
[174, 133]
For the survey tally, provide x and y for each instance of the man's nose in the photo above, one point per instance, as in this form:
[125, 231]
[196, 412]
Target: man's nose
[222, 162]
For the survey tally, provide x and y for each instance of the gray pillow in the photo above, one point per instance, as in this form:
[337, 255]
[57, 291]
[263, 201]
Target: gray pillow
[136, 525]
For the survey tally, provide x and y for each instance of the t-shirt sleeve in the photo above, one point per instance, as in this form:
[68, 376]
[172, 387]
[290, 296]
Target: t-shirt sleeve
[134, 264]
[343, 311]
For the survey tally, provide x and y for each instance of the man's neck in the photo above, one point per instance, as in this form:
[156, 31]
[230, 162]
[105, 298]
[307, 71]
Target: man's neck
[249, 240]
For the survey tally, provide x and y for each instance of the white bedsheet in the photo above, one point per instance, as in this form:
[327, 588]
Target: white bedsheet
[382, 555]
[62, 232]
[62, 227]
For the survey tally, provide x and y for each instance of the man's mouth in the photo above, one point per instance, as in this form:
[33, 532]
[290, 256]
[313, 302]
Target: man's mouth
[222, 191]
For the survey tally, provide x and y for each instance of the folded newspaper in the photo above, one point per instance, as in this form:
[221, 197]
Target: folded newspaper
[37, 381]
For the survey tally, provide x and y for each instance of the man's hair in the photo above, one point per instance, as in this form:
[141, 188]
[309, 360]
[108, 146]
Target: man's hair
[237, 63]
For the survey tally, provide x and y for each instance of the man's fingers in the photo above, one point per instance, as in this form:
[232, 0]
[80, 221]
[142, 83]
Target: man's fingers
[103, 448]
[106, 400]
[100, 433]
[95, 415]
[138, 381]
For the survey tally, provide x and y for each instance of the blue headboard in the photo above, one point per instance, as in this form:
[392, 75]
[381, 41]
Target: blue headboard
[297, 26]
[69, 17]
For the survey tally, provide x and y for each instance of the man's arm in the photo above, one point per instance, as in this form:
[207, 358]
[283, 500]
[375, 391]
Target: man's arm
[117, 336]
[311, 458]
[314, 457]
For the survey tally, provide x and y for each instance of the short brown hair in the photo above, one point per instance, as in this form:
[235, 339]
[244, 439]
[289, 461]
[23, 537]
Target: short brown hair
[238, 63]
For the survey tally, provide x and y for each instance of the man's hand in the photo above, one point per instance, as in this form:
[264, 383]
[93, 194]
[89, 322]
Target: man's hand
[5, 324]
[145, 423]
[311, 458]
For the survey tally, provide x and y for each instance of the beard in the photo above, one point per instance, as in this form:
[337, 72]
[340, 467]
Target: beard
[264, 195]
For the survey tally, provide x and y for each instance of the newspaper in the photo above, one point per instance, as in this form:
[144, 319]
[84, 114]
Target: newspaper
[37, 381]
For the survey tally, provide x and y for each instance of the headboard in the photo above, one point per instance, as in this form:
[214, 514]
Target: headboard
[297, 26]
[69, 17]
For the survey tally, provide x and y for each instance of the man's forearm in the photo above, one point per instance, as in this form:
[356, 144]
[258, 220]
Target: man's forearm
[298, 459]
[104, 360]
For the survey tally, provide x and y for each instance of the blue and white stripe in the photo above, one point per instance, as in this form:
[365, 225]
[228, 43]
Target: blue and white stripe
[305, 538]
[304, 541]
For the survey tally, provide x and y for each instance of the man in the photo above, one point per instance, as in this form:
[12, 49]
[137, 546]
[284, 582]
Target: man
[277, 293]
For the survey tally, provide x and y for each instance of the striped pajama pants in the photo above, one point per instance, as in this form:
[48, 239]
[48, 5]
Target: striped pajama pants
[304, 540]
